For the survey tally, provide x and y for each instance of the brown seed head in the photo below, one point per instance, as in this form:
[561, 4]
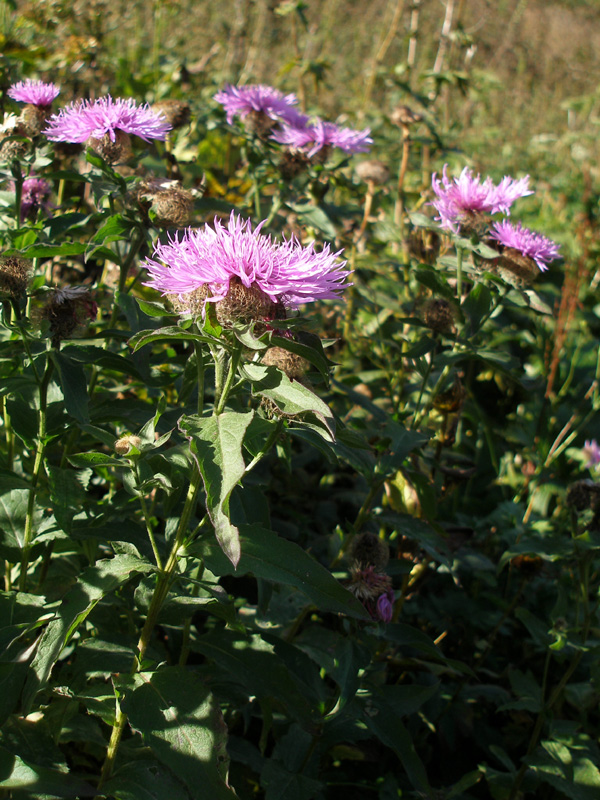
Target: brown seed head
[32, 119]
[292, 364]
[171, 203]
[438, 315]
[176, 112]
[368, 550]
[292, 164]
[14, 276]
[404, 116]
[112, 152]
[515, 268]
[375, 172]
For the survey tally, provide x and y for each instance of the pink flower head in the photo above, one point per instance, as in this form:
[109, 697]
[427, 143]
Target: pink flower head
[36, 93]
[211, 256]
[385, 606]
[458, 197]
[242, 100]
[592, 451]
[313, 136]
[529, 243]
[87, 119]
[34, 195]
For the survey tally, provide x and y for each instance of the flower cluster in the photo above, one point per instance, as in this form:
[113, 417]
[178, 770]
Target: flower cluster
[215, 259]
[88, 119]
[311, 137]
[464, 203]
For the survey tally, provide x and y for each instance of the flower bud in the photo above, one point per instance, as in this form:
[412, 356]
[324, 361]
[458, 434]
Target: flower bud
[112, 152]
[292, 364]
[438, 315]
[373, 172]
[125, 443]
[176, 112]
[171, 203]
[368, 550]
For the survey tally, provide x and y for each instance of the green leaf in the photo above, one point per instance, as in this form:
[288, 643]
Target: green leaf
[13, 513]
[476, 305]
[18, 774]
[153, 309]
[569, 770]
[290, 397]
[95, 460]
[67, 494]
[383, 717]
[315, 216]
[52, 250]
[181, 722]
[168, 334]
[73, 384]
[281, 784]
[216, 444]
[145, 780]
[93, 584]
[268, 556]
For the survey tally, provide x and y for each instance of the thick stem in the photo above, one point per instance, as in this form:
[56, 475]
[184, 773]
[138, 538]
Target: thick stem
[223, 393]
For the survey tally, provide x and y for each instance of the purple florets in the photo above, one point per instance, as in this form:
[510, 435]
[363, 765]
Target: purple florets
[533, 245]
[87, 119]
[34, 196]
[315, 135]
[385, 606]
[467, 194]
[239, 101]
[210, 257]
[592, 451]
[36, 93]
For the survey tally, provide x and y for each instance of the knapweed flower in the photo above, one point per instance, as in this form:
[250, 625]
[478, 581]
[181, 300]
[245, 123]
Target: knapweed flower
[460, 199]
[35, 93]
[106, 125]
[530, 244]
[34, 196]
[385, 606]
[591, 450]
[239, 263]
[316, 136]
[67, 309]
[374, 590]
[241, 101]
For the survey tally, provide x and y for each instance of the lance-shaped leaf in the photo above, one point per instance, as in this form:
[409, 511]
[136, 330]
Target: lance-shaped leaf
[93, 584]
[181, 722]
[168, 334]
[216, 443]
[16, 773]
[292, 398]
[269, 556]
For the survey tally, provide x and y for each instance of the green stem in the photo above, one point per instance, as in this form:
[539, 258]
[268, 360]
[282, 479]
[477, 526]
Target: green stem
[147, 522]
[267, 446]
[459, 273]
[161, 591]
[223, 394]
[37, 468]
[200, 374]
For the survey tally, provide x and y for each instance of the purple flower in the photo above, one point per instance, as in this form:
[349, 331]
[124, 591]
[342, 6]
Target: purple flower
[529, 243]
[459, 197]
[243, 100]
[34, 196]
[315, 135]
[385, 606]
[87, 119]
[592, 451]
[210, 257]
[36, 93]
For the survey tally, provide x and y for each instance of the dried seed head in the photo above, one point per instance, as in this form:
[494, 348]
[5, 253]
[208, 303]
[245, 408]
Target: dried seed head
[66, 310]
[292, 364]
[112, 152]
[176, 112]
[125, 443]
[375, 172]
[14, 276]
[438, 315]
[259, 123]
[171, 203]
[368, 550]
[366, 584]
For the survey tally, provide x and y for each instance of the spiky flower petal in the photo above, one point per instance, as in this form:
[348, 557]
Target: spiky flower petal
[533, 245]
[316, 135]
[87, 119]
[239, 101]
[36, 93]
[457, 198]
[592, 451]
[212, 257]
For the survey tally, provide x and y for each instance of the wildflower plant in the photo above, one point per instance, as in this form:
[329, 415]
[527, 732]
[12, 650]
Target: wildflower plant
[285, 474]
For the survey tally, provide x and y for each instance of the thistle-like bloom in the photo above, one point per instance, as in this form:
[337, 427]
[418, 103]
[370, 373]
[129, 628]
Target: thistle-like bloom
[458, 198]
[210, 258]
[592, 450]
[34, 196]
[533, 245]
[88, 119]
[239, 101]
[317, 135]
[36, 93]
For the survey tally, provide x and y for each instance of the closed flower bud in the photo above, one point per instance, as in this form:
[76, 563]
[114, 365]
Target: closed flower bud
[403, 116]
[516, 268]
[438, 315]
[292, 364]
[450, 401]
[32, 119]
[171, 204]
[125, 443]
[374, 172]
[113, 152]
[370, 588]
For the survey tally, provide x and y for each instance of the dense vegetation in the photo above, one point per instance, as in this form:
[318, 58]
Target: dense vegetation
[259, 547]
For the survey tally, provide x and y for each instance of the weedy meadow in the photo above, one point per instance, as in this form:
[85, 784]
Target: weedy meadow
[298, 478]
